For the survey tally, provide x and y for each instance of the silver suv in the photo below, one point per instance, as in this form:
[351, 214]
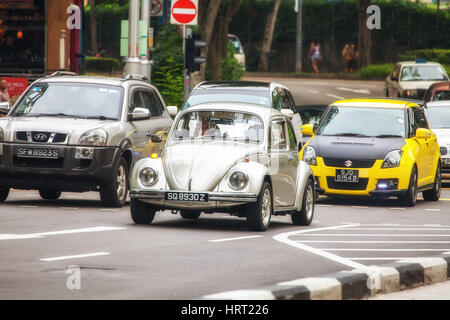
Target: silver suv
[77, 134]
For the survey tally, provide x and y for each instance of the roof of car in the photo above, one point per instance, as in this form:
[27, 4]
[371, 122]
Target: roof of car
[377, 103]
[238, 85]
[113, 81]
[262, 111]
[415, 63]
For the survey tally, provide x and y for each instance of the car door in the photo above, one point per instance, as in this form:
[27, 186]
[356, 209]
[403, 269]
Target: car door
[426, 148]
[282, 163]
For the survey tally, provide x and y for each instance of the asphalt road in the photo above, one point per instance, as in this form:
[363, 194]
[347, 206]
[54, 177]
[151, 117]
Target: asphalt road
[43, 244]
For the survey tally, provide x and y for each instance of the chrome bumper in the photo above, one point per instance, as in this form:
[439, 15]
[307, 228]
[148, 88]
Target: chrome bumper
[212, 196]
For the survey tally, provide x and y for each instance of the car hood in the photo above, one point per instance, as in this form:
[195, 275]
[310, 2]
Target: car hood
[200, 166]
[443, 136]
[354, 147]
[414, 85]
[71, 126]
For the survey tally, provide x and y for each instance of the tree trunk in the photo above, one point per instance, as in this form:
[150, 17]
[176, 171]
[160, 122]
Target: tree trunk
[364, 33]
[94, 46]
[268, 36]
[219, 43]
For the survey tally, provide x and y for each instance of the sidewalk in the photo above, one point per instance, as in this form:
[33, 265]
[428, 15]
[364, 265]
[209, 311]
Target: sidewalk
[438, 291]
[337, 76]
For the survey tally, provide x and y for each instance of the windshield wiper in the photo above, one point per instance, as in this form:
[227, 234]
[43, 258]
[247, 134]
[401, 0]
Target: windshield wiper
[60, 114]
[348, 134]
[389, 136]
[100, 118]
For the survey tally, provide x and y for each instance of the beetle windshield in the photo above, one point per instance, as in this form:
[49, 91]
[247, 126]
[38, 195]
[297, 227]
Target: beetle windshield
[438, 117]
[71, 100]
[224, 125]
[363, 122]
[423, 73]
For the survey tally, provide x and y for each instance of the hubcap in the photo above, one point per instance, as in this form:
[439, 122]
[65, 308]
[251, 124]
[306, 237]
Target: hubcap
[309, 202]
[121, 182]
[266, 207]
[413, 186]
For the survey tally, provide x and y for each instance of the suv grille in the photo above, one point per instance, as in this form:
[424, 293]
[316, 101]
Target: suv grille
[361, 185]
[41, 137]
[341, 163]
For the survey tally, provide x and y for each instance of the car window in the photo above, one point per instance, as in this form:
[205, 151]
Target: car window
[276, 100]
[199, 96]
[441, 95]
[291, 100]
[151, 104]
[285, 103]
[438, 117]
[136, 101]
[278, 136]
[419, 119]
[292, 142]
[423, 73]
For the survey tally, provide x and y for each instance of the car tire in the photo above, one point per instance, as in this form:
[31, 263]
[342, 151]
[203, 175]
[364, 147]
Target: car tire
[435, 193]
[114, 194]
[258, 214]
[304, 217]
[49, 194]
[188, 214]
[410, 198]
[141, 212]
[4, 192]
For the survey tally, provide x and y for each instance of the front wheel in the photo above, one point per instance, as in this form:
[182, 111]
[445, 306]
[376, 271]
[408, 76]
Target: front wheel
[4, 192]
[114, 193]
[410, 198]
[259, 213]
[304, 217]
[49, 194]
[190, 214]
[141, 212]
[435, 193]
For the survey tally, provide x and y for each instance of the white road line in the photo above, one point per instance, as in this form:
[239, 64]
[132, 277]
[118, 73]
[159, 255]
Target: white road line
[232, 239]
[402, 229]
[364, 91]
[385, 259]
[53, 233]
[429, 209]
[106, 209]
[313, 91]
[284, 238]
[403, 225]
[334, 96]
[385, 250]
[360, 207]
[374, 235]
[367, 241]
[393, 208]
[23, 206]
[447, 252]
[76, 256]
[69, 208]
[323, 205]
[390, 224]
[432, 225]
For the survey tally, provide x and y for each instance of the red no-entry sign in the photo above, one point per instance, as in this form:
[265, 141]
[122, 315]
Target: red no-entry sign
[184, 12]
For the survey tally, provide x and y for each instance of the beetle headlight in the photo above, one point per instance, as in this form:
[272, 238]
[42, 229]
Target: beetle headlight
[392, 159]
[148, 176]
[309, 156]
[238, 180]
[96, 137]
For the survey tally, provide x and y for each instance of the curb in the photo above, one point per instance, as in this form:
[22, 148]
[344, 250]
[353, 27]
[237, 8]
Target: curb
[355, 284]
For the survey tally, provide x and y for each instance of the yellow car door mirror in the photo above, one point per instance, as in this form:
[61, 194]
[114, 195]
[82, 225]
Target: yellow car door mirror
[423, 133]
[308, 129]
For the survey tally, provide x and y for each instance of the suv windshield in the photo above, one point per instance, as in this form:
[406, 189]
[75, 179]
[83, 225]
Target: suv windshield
[223, 95]
[423, 73]
[438, 117]
[71, 100]
[220, 125]
[363, 122]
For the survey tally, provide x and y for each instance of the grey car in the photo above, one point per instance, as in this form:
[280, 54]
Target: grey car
[77, 134]
[231, 157]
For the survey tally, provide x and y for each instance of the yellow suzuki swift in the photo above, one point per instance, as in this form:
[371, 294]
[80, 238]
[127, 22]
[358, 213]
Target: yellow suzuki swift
[374, 147]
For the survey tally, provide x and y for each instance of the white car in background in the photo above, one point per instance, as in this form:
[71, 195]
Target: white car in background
[438, 115]
[239, 50]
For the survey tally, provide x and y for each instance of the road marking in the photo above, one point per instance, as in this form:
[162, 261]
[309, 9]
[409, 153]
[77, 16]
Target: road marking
[323, 205]
[284, 238]
[397, 208]
[232, 239]
[432, 225]
[374, 235]
[106, 209]
[23, 206]
[385, 259]
[360, 207]
[95, 254]
[447, 252]
[385, 250]
[401, 229]
[313, 91]
[432, 209]
[53, 233]
[69, 208]
[334, 96]
[364, 241]
[364, 91]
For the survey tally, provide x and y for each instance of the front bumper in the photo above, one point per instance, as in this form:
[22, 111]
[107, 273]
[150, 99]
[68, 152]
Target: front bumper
[64, 173]
[368, 180]
[215, 199]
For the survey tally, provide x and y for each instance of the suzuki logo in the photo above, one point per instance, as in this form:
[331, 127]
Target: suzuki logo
[348, 163]
[40, 137]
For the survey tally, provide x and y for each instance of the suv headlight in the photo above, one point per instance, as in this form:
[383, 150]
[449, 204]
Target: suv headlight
[392, 159]
[148, 176]
[96, 137]
[238, 180]
[2, 135]
[309, 156]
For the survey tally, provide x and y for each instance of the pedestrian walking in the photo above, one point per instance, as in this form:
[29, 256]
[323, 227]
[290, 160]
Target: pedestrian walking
[315, 55]
[350, 54]
[4, 95]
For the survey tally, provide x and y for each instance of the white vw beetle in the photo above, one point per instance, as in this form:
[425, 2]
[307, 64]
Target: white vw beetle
[236, 158]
